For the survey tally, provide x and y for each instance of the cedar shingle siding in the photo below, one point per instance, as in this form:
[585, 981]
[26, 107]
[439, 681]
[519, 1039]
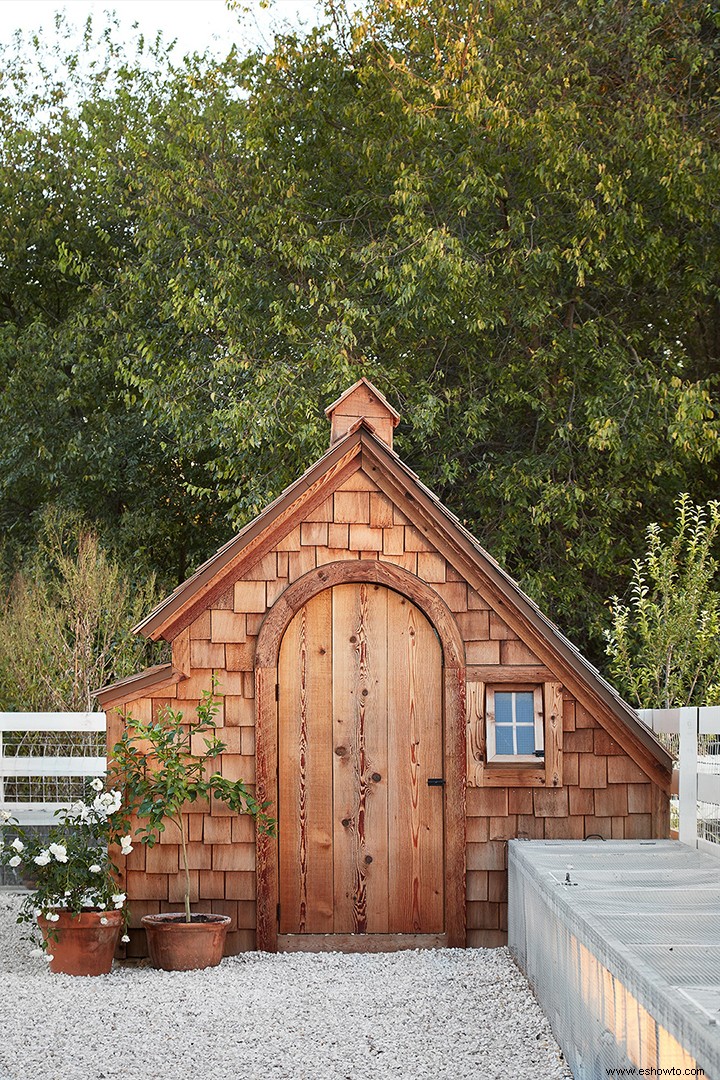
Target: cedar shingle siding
[602, 773]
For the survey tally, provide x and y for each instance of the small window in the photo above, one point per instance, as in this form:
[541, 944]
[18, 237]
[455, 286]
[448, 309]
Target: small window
[514, 724]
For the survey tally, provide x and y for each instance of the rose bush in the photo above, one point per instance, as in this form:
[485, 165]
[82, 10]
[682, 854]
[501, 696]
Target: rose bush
[71, 868]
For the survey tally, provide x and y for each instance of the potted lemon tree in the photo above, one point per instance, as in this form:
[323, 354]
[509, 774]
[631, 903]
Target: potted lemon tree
[76, 901]
[155, 765]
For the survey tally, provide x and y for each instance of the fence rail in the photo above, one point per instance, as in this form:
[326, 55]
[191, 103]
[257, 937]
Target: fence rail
[12, 766]
[698, 774]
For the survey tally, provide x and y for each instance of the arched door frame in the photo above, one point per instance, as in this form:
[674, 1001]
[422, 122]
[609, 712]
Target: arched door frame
[267, 653]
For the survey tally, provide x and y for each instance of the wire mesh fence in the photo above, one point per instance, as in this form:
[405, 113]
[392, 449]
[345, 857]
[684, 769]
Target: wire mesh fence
[619, 942]
[41, 788]
[692, 735]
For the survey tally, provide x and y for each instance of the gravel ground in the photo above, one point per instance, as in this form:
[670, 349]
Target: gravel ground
[447, 1013]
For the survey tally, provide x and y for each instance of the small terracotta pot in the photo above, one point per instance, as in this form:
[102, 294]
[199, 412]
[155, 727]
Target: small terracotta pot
[176, 945]
[81, 944]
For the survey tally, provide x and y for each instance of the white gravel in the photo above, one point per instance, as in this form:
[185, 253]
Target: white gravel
[440, 1014]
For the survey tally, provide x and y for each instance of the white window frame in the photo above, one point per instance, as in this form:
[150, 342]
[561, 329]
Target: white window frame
[539, 724]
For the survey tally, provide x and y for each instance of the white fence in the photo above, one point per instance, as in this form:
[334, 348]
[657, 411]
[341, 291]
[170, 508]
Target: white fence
[698, 778]
[14, 765]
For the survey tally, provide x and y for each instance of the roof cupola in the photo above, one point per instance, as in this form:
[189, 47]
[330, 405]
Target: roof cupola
[362, 402]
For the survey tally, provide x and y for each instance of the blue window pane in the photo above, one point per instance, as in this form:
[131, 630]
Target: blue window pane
[503, 739]
[524, 708]
[503, 709]
[526, 740]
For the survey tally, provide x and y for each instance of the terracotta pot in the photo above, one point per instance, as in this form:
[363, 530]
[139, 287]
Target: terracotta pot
[176, 945]
[81, 944]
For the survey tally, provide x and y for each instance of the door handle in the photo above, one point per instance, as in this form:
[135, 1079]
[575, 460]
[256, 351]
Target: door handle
[436, 781]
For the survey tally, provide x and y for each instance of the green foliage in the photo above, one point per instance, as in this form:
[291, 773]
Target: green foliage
[69, 867]
[161, 768]
[65, 623]
[663, 642]
[503, 214]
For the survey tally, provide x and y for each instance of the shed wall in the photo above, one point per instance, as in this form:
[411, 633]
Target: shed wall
[603, 791]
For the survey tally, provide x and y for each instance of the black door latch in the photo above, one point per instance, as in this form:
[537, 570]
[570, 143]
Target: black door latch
[436, 781]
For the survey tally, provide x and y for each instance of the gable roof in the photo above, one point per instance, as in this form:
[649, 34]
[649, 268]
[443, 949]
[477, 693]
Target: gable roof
[373, 390]
[360, 448]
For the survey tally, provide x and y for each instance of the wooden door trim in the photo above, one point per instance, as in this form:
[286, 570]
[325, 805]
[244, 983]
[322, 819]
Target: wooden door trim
[360, 943]
[266, 662]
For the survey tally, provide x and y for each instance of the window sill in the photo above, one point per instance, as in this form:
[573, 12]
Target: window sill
[529, 772]
[510, 760]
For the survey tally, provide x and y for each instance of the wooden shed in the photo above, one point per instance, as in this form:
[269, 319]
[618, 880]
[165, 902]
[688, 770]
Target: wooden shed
[400, 702]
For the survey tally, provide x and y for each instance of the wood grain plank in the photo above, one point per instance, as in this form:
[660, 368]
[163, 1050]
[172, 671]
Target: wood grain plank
[553, 734]
[348, 894]
[415, 753]
[492, 673]
[305, 792]
[360, 722]
[181, 651]
[373, 676]
[360, 943]
[454, 702]
[475, 719]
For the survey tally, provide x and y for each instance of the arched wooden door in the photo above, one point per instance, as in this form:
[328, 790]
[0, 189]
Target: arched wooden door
[360, 734]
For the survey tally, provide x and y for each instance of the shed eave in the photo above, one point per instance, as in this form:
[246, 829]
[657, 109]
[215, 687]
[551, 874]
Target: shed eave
[134, 686]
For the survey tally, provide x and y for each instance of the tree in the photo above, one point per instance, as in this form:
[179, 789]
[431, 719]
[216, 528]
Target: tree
[663, 642]
[65, 624]
[71, 434]
[504, 215]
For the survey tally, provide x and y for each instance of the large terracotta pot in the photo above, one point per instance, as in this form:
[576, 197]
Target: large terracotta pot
[177, 945]
[81, 944]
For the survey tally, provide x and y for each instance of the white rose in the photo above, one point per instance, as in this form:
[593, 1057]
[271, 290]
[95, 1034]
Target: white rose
[118, 899]
[42, 859]
[97, 784]
[125, 938]
[5, 816]
[95, 869]
[103, 921]
[15, 861]
[17, 844]
[59, 851]
[110, 802]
